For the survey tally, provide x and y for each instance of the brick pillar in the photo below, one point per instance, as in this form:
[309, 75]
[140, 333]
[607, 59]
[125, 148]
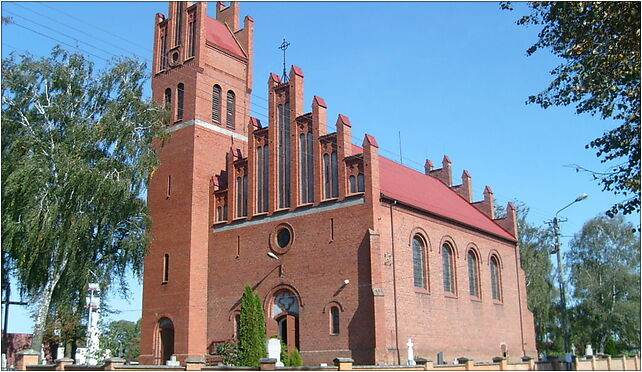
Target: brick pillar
[319, 128]
[371, 169]
[636, 360]
[194, 364]
[111, 363]
[608, 363]
[26, 358]
[62, 362]
[531, 362]
[623, 362]
[503, 363]
[268, 364]
[344, 148]
[296, 109]
[469, 363]
[344, 364]
[423, 362]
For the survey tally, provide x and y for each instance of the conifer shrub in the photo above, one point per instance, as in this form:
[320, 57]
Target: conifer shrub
[252, 330]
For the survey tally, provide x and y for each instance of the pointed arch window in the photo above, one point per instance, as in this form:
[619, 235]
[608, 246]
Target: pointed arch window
[179, 23]
[231, 109]
[473, 273]
[163, 53]
[306, 167]
[284, 155]
[495, 279]
[216, 103]
[179, 101]
[241, 196]
[419, 261]
[192, 36]
[262, 167]
[447, 269]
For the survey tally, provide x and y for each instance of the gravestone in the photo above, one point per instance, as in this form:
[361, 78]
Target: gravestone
[274, 350]
[411, 354]
[440, 357]
[589, 350]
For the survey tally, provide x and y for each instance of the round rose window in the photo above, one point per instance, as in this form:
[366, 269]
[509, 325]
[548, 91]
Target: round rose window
[281, 238]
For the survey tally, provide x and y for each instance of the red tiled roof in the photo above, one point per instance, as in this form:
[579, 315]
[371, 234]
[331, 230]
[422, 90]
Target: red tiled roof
[320, 101]
[345, 120]
[275, 77]
[219, 35]
[428, 193]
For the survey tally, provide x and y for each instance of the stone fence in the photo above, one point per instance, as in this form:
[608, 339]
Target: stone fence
[27, 360]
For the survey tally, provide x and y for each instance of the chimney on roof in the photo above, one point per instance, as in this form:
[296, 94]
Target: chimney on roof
[319, 116]
[229, 15]
[445, 173]
[466, 187]
[509, 223]
[487, 206]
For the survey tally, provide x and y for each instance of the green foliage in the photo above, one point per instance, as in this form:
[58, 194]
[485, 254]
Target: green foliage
[294, 358]
[229, 351]
[599, 43]
[252, 330]
[534, 246]
[604, 262]
[285, 358]
[122, 337]
[76, 159]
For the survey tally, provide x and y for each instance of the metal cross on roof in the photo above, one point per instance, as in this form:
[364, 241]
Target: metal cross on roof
[284, 46]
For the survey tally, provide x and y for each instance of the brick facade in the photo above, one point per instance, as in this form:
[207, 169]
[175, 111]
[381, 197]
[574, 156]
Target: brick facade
[343, 243]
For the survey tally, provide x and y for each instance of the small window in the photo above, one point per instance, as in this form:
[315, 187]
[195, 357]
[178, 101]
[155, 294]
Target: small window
[473, 274]
[231, 109]
[216, 104]
[447, 267]
[165, 268]
[168, 101]
[334, 320]
[181, 94]
[495, 279]
[283, 237]
[352, 181]
[361, 186]
[418, 261]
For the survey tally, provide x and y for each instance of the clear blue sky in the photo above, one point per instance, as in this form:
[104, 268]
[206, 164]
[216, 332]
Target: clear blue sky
[453, 78]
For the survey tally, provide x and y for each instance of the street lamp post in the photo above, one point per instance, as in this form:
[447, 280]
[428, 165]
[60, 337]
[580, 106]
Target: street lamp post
[560, 271]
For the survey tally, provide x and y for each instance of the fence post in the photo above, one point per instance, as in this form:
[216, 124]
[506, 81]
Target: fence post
[468, 362]
[503, 363]
[636, 360]
[267, 364]
[608, 363]
[426, 363]
[62, 362]
[592, 362]
[623, 357]
[344, 364]
[530, 361]
[111, 363]
[25, 358]
[194, 364]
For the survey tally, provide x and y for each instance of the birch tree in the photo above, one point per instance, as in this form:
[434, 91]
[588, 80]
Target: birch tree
[76, 158]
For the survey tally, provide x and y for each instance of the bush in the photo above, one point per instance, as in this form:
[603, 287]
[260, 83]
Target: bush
[251, 330]
[294, 358]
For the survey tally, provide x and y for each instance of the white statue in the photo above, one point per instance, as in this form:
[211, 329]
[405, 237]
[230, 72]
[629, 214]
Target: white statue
[411, 353]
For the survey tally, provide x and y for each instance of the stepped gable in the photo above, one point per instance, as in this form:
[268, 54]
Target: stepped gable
[220, 35]
[415, 188]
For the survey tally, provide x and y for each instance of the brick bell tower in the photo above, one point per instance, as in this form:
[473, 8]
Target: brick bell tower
[202, 71]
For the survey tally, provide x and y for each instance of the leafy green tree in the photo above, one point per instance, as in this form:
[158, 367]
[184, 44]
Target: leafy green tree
[252, 330]
[604, 263]
[76, 157]
[122, 338]
[294, 358]
[534, 246]
[599, 44]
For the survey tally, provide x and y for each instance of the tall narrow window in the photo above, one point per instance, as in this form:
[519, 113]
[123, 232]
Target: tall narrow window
[219, 214]
[231, 109]
[241, 196]
[473, 274]
[259, 179]
[165, 268]
[163, 53]
[326, 170]
[310, 169]
[168, 103]
[447, 268]
[237, 326]
[334, 319]
[495, 279]
[266, 170]
[192, 37]
[303, 168]
[306, 166]
[361, 185]
[179, 101]
[216, 104]
[244, 195]
[179, 23]
[352, 182]
[284, 155]
[418, 261]
[335, 174]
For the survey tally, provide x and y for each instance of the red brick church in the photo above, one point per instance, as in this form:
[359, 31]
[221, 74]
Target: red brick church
[352, 253]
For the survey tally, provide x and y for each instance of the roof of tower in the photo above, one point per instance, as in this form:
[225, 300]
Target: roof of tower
[428, 193]
[220, 35]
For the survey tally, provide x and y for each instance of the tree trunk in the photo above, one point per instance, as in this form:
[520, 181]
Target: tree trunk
[44, 301]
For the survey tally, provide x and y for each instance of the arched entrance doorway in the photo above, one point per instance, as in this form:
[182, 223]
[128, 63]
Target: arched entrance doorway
[285, 311]
[166, 339]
